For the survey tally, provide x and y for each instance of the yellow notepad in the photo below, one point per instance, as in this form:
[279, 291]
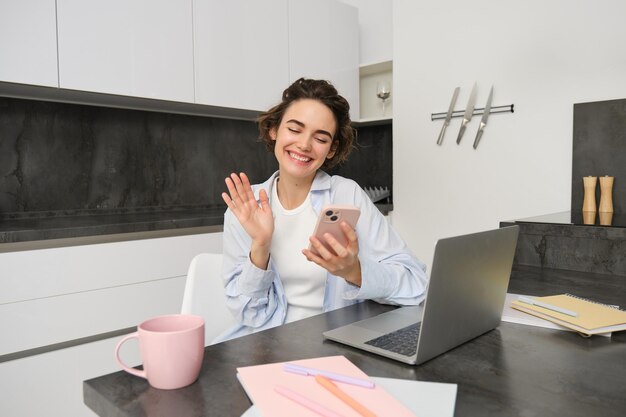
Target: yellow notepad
[591, 317]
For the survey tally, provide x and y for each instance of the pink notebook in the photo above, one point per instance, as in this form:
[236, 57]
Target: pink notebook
[259, 382]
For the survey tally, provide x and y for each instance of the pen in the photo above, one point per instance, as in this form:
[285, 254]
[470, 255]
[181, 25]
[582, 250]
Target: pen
[305, 402]
[334, 389]
[303, 370]
[534, 302]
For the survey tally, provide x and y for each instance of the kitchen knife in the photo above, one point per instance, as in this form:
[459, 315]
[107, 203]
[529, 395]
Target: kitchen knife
[469, 111]
[449, 115]
[483, 120]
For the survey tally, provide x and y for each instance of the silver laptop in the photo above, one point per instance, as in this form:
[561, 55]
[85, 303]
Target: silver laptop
[465, 296]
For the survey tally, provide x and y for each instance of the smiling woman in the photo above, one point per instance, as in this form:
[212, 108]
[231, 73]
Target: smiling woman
[303, 143]
[269, 278]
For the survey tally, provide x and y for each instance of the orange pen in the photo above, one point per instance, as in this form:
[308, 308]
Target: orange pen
[334, 389]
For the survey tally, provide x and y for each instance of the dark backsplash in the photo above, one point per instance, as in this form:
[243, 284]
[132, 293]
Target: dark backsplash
[370, 163]
[59, 157]
[599, 148]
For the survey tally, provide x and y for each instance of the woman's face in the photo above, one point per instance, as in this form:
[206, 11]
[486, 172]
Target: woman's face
[304, 138]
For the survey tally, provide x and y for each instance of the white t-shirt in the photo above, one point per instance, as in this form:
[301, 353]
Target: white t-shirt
[302, 280]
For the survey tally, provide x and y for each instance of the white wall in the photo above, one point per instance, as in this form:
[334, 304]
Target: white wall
[543, 56]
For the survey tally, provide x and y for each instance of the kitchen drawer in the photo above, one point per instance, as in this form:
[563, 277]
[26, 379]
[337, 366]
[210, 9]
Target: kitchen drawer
[51, 384]
[35, 274]
[65, 318]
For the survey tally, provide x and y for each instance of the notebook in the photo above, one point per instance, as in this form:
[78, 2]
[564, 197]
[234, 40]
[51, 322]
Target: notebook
[591, 317]
[424, 399]
[260, 382]
[465, 296]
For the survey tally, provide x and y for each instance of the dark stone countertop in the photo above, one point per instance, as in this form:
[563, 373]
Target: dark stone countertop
[46, 226]
[540, 282]
[589, 220]
[21, 228]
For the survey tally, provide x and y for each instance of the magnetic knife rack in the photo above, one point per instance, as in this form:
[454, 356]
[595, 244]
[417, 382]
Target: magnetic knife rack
[477, 112]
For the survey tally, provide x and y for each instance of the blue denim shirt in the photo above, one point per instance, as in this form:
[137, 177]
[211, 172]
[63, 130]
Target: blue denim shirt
[390, 272]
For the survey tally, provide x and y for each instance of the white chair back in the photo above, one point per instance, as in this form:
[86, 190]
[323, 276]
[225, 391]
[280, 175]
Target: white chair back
[204, 295]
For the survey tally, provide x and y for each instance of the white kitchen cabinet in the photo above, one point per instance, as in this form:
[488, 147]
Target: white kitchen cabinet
[28, 42]
[324, 43]
[49, 298]
[140, 48]
[240, 52]
[376, 30]
[51, 384]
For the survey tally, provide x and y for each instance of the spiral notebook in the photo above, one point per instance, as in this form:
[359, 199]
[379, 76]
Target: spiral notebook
[591, 317]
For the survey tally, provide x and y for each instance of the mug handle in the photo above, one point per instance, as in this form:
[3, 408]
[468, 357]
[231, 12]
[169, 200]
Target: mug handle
[128, 369]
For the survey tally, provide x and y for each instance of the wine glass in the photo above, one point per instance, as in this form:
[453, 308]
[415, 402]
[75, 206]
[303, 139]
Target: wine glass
[383, 91]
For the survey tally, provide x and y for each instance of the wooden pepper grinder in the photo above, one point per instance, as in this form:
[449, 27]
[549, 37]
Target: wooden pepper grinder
[606, 200]
[606, 194]
[589, 217]
[589, 200]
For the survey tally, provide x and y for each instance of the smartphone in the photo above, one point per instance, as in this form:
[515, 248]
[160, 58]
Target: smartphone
[329, 221]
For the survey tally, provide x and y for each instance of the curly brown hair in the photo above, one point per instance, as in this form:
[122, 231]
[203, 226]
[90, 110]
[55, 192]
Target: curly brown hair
[325, 93]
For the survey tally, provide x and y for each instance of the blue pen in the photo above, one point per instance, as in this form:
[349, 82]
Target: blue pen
[303, 370]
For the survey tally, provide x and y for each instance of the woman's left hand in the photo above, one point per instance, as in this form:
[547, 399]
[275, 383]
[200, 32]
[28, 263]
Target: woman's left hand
[344, 262]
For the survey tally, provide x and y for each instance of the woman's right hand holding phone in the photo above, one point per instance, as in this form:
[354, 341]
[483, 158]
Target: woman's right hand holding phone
[257, 220]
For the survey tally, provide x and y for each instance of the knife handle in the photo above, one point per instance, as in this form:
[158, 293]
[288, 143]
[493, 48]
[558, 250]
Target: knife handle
[458, 139]
[443, 131]
[479, 135]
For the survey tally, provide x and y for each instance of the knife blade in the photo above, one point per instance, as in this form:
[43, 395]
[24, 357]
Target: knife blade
[469, 111]
[483, 120]
[449, 115]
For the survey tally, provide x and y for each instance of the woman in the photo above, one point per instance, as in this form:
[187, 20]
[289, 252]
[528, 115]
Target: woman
[269, 276]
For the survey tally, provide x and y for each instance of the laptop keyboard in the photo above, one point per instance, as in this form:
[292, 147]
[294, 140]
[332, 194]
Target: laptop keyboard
[402, 341]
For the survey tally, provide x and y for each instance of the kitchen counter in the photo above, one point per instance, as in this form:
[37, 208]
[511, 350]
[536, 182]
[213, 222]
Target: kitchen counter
[26, 231]
[36, 230]
[564, 241]
[602, 220]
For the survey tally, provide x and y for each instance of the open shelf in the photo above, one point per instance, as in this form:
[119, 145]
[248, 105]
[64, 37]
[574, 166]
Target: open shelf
[370, 105]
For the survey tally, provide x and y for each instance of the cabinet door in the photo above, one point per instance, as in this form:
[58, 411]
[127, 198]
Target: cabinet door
[50, 296]
[140, 48]
[51, 383]
[240, 51]
[28, 42]
[324, 43]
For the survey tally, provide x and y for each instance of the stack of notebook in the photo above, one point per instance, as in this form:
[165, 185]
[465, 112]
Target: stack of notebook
[585, 316]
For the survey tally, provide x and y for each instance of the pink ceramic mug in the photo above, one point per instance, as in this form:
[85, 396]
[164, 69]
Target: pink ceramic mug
[172, 349]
